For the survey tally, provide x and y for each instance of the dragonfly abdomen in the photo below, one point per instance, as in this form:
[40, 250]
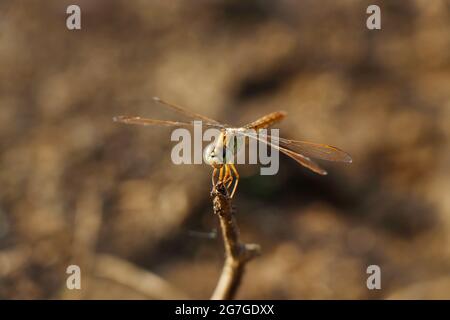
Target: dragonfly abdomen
[267, 120]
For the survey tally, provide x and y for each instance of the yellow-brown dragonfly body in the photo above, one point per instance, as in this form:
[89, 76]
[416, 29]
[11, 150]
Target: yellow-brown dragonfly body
[218, 153]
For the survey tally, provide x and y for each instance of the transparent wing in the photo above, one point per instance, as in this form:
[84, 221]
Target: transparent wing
[148, 122]
[189, 113]
[303, 160]
[313, 150]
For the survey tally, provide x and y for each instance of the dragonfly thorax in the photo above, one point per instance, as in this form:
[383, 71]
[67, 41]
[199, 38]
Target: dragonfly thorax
[224, 150]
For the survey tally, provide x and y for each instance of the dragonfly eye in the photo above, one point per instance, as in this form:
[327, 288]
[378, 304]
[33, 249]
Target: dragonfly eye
[209, 153]
[211, 156]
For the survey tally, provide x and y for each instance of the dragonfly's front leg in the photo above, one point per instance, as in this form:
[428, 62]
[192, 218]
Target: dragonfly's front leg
[213, 178]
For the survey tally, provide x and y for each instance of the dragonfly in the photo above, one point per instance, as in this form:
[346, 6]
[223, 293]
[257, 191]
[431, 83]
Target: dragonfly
[217, 154]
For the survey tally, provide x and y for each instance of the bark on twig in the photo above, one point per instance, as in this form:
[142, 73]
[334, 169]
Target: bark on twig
[237, 254]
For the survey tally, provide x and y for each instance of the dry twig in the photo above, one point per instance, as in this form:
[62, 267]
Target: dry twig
[237, 254]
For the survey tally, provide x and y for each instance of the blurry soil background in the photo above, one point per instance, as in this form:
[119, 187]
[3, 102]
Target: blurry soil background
[77, 188]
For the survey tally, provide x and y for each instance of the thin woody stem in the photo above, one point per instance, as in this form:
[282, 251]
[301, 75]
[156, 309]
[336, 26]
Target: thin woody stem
[237, 254]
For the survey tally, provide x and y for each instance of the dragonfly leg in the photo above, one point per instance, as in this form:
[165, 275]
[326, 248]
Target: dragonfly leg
[226, 176]
[220, 174]
[213, 177]
[236, 175]
[228, 180]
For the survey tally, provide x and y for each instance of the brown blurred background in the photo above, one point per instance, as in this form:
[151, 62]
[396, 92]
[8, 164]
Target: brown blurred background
[76, 188]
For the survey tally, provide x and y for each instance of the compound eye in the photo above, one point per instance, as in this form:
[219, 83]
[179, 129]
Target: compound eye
[209, 153]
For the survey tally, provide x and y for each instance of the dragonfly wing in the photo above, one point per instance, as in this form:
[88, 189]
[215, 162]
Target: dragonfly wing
[188, 113]
[319, 151]
[149, 122]
[314, 150]
[303, 160]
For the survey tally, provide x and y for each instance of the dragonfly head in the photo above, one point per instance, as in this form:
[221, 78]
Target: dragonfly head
[212, 156]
